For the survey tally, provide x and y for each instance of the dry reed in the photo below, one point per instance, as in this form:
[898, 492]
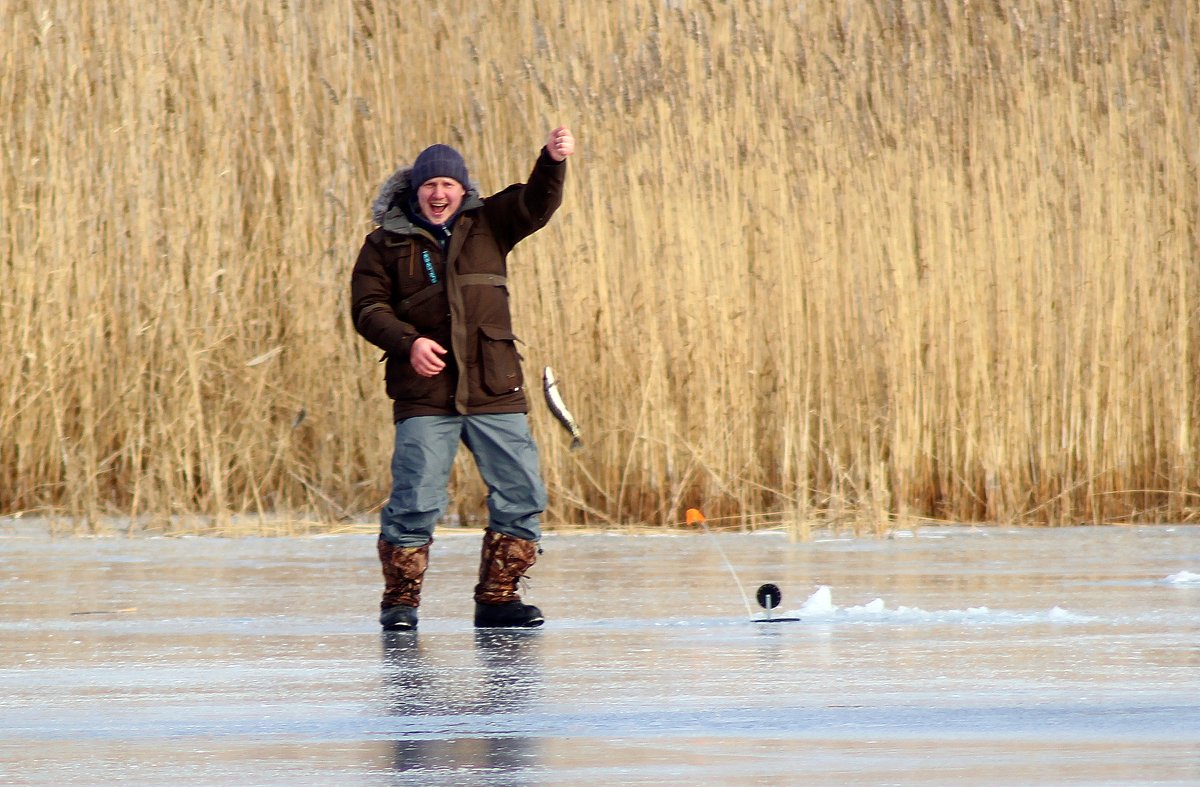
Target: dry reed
[870, 264]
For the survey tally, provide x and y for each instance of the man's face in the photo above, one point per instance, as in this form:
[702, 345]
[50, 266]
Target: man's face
[439, 199]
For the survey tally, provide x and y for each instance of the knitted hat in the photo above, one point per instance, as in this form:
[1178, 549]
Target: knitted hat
[439, 161]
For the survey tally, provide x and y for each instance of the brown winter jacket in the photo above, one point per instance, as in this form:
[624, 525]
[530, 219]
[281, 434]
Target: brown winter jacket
[393, 302]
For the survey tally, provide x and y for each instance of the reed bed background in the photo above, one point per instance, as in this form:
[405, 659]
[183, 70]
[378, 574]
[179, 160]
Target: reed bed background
[864, 264]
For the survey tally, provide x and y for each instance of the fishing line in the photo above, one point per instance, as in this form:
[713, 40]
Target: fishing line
[693, 517]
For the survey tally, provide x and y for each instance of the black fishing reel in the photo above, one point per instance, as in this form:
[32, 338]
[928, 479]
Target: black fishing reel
[769, 597]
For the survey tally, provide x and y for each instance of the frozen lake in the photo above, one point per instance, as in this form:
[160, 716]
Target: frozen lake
[956, 655]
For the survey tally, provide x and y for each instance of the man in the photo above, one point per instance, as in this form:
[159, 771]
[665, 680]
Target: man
[429, 288]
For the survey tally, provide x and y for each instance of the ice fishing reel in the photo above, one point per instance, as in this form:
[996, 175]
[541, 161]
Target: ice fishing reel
[770, 596]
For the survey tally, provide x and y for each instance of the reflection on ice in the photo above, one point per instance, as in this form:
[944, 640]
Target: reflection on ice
[458, 712]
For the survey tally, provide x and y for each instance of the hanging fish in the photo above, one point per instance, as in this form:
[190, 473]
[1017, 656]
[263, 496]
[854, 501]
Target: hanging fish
[555, 403]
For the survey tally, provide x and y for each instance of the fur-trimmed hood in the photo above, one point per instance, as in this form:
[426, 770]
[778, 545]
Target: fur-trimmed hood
[386, 208]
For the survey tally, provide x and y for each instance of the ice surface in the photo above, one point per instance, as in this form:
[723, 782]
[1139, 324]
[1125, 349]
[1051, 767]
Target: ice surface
[956, 655]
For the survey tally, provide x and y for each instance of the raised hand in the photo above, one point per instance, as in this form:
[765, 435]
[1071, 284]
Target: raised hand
[560, 143]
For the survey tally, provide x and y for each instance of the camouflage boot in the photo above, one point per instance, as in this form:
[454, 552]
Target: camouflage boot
[403, 572]
[503, 562]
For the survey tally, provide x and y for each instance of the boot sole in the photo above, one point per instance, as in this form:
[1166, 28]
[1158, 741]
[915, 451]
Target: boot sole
[400, 627]
[531, 624]
[401, 621]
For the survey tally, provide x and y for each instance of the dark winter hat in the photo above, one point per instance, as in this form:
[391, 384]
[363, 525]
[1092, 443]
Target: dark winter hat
[439, 161]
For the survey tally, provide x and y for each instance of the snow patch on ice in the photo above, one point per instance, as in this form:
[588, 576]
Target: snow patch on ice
[819, 603]
[819, 606]
[1183, 578]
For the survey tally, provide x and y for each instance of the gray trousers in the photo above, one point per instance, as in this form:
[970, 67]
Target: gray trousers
[507, 459]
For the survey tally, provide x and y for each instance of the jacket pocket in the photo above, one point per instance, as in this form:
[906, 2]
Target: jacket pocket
[499, 361]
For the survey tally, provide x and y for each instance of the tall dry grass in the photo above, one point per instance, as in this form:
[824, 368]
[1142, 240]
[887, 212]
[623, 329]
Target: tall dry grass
[819, 263]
